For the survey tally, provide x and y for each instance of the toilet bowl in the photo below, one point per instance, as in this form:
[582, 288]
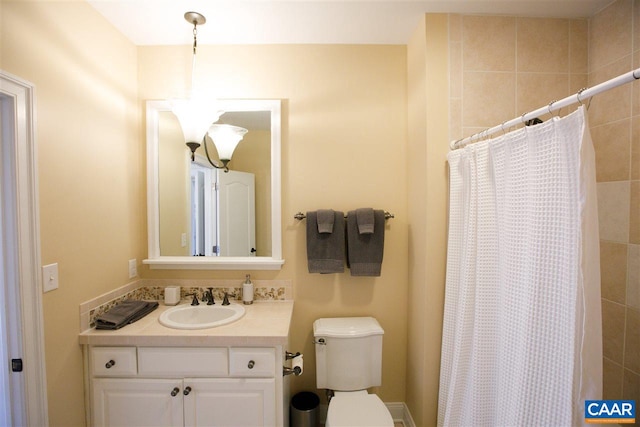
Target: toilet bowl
[357, 409]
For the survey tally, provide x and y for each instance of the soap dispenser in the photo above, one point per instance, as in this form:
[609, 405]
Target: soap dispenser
[247, 291]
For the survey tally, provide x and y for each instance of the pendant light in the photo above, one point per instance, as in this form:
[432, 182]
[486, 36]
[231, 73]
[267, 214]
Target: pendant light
[197, 114]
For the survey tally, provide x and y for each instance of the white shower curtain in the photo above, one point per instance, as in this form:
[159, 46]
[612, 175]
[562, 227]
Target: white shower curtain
[522, 339]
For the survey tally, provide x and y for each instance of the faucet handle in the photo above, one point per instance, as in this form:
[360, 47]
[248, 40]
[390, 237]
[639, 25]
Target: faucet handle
[225, 301]
[195, 298]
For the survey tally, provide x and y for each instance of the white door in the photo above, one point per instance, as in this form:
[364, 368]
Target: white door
[137, 402]
[237, 212]
[230, 402]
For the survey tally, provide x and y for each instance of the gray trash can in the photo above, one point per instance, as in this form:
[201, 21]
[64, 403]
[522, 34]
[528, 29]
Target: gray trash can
[304, 409]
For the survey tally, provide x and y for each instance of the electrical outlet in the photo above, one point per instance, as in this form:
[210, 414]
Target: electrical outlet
[49, 277]
[133, 268]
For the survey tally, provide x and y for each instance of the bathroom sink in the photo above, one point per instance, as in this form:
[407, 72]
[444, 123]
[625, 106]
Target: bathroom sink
[201, 316]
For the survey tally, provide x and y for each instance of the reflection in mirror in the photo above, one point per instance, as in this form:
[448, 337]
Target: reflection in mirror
[204, 216]
[210, 212]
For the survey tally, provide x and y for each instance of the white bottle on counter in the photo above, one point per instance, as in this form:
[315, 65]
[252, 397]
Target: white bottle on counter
[247, 291]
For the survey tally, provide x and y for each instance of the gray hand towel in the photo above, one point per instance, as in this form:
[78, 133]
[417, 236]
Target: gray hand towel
[125, 313]
[325, 251]
[326, 217]
[365, 251]
[364, 217]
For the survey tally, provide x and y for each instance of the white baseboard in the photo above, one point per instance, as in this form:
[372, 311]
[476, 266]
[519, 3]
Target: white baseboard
[399, 412]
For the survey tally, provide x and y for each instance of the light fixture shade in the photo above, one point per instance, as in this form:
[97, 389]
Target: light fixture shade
[195, 117]
[226, 138]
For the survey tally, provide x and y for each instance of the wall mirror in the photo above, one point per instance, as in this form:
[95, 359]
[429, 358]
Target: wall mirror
[203, 218]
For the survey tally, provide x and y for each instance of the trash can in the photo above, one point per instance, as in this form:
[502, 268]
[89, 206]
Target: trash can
[304, 409]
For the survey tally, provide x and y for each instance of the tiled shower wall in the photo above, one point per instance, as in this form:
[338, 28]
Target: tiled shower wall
[502, 67]
[614, 48]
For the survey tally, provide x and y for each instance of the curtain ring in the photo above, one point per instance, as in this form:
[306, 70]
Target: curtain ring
[522, 118]
[551, 105]
[580, 93]
[580, 100]
[502, 127]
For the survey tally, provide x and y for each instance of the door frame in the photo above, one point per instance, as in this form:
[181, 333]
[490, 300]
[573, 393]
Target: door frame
[28, 288]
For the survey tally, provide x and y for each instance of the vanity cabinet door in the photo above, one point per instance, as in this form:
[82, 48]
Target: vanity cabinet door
[230, 402]
[137, 402]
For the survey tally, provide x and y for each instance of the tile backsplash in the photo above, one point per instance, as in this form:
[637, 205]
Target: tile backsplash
[153, 289]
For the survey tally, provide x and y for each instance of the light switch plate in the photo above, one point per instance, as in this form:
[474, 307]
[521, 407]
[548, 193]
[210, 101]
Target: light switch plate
[49, 277]
[133, 268]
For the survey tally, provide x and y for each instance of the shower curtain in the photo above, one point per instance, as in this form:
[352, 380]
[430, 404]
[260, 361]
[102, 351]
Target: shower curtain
[522, 339]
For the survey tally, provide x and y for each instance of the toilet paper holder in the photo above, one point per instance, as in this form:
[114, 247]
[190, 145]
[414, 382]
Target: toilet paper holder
[297, 368]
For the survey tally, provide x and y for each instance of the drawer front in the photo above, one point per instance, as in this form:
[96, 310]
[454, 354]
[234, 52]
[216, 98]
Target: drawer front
[193, 361]
[252, 362]
[113, 361]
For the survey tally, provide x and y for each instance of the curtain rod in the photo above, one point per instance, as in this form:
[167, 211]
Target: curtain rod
[579, 97]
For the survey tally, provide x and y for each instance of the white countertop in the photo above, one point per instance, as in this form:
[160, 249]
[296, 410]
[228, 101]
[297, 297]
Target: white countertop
[265, 323]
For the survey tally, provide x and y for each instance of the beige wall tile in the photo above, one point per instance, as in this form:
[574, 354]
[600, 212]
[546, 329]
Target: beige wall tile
[611, 380]
[614, 104]
[613, 271]
[632, 341]
[613, 318]
[455, 118]
[631, 386]
[536, 90]
[613, 211]
[489, 43]
[578, 46]
[633, 276]
[635, 148]
[455, 70]
[636, 84]
[455, 27]
[610, 34]
[612, 143]
[488, 98]
[634, 213]
[636, 25]
[543, 45]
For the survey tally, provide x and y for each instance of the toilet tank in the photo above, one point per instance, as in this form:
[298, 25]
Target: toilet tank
[348, 353]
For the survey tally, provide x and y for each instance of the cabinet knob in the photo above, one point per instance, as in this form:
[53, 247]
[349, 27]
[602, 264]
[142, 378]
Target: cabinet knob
[187, 390]
[251, 364]
[109, 364]
[175, 391]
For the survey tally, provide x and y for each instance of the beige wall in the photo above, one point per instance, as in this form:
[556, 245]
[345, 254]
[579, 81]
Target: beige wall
[427, 67]
[91, 168]
[343, 147]
[614, 48]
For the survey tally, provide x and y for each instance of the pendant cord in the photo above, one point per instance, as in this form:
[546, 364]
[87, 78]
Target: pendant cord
[193, 61]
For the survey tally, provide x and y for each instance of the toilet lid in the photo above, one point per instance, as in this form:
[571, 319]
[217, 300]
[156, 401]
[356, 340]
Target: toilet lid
[358, 409]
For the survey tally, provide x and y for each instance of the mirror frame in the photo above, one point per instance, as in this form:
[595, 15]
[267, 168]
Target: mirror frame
[155, 260]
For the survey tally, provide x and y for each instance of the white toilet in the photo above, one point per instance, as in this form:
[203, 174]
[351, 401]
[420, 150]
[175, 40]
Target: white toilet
[348, 361]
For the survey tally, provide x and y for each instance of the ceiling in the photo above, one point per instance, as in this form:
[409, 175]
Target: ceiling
[161, 22]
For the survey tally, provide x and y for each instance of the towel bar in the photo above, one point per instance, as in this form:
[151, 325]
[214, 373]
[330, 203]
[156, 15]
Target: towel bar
[300, 216]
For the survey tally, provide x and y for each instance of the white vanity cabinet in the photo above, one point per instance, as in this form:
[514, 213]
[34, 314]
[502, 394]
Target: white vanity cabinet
[195, 386]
